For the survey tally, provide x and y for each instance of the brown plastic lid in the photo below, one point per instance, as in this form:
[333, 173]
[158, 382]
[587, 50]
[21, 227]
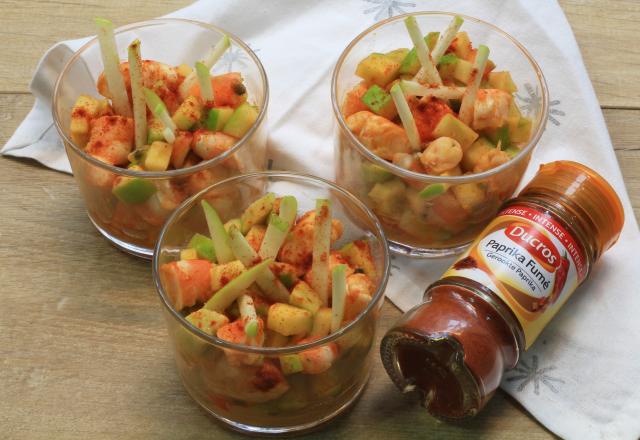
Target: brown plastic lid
[586, 191]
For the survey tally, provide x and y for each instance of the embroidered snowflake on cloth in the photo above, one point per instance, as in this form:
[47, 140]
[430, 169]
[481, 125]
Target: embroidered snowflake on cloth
[531, 104]
[234, 55]
[386, 8]
[526, 374]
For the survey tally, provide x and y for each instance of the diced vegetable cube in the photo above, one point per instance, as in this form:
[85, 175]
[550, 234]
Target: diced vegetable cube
[289, 320]
[158, 156]
[380, 102]
[242, 119]
[378, 68]
[304, 297]
[450, 126]
[217, 118]
[502, 81]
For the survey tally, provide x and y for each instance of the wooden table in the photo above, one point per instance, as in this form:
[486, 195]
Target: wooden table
[83, 348]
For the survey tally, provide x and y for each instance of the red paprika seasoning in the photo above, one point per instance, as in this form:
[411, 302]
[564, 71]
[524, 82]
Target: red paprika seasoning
[491, 305]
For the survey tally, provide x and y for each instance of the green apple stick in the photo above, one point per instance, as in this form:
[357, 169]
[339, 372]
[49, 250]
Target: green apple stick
[446, 38]
[321, 250]
[204, 78]
[218, 234]
[406, 116]
[469, 98]
[267, 281]
[209, 60]
[428, 72]
[249, 315]
[139, 104]
[338, 295]
[111, 62]
[414, 88]
[224, 297]
[160, 111]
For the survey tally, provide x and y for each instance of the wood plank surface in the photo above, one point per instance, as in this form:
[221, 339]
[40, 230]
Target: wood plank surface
[83, 347]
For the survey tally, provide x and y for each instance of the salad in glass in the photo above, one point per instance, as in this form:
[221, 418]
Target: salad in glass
[431, 136]
[272, 310]
[157, 132]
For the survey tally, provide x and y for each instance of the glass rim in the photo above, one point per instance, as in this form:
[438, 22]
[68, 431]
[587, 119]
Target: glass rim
[271, 351]
[205, 164]
[395, 169]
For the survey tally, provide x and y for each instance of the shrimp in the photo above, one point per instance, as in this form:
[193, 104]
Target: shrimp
[427, 113]
[251, 384]
[111, 139]
[378, 134]
[353, 100]
[208, 144]
[297, 249]
[318, 359]
[441, 155]
[153, 73]
[187, 282]
[410, 162]
[234, 333]
[359, 291]
[491, 109]
[491, 159]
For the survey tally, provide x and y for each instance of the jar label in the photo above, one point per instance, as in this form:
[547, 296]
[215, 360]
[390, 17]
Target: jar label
[530, 261]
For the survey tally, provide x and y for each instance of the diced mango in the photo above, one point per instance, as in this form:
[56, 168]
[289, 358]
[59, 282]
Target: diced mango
[289, 320]
[502, 81]
[158, 156]
[452, 127]
[522, 131]
[470, 195]
[378, 69]
[475, 151]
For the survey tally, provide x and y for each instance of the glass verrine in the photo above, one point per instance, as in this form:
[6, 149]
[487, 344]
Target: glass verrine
[238, 395]
[135, 226]
[440, 225]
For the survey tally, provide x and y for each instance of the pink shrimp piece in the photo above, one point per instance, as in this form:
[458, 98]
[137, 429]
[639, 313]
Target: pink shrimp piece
[359, 291]
[208, 144]
[111, 139]
[234, 332]
[297, 249]
[319, 359]
[153, 73]
[491, 109]
[187, 282]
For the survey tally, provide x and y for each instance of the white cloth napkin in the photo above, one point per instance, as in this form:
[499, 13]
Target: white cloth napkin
[581, 379]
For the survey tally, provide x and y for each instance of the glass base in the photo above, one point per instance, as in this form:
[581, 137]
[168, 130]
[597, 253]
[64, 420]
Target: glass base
[416, 252]
[267, 431]
[129, 248]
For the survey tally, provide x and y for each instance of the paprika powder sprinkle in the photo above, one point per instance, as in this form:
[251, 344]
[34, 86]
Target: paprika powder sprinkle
[490, 306]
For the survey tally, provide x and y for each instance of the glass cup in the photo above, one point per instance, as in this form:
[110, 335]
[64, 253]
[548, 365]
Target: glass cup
[135, 227]
[441, 225]
[239, 395]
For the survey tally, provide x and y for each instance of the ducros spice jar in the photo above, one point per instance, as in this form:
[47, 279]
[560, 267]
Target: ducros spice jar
[492, 304]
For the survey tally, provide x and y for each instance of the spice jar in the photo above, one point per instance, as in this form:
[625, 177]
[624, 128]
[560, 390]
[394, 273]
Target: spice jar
[492, 304]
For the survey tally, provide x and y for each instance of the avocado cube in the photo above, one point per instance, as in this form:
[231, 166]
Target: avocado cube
[155, 131]
[289, 320]
[410, 64]
[447, 66]
[203, 246]
[257, 212]
[233, 223]
[373, 173]
[470, 195]
[358, 254]
[378, 68]
[522, 131]
[290, 364]
[433, 190]
[502, 81]
[453, 127]
[189, 112]
[380, 102]
[217, 118]
[388, 197]
[242, 119]
[305, 297]
[134, 190]
[158, 156]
